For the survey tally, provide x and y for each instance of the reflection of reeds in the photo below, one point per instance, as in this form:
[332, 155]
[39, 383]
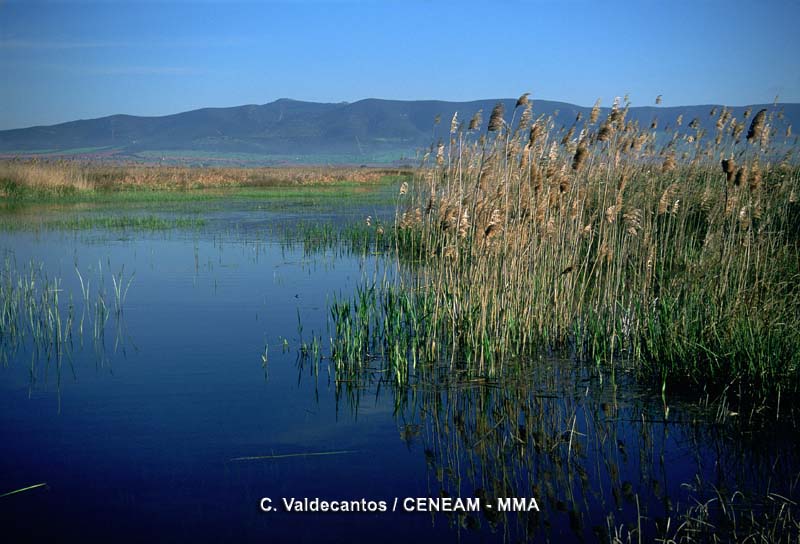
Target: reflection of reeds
[599, 462]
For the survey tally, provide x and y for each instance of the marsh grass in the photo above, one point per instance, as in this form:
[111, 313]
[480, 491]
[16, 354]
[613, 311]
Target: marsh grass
[41, 180]
[101, 222]
[605, 241]
[369, 237]
[40, 320]
[519, 251]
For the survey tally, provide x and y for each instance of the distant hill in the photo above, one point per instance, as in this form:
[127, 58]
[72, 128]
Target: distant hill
[291, 131]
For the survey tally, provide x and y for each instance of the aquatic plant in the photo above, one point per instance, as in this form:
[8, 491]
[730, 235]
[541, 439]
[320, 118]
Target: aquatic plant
[610, 243]
[90, 222]
[39, 320]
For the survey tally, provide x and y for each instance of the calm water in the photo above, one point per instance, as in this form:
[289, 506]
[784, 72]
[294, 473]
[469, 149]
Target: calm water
[141, 434]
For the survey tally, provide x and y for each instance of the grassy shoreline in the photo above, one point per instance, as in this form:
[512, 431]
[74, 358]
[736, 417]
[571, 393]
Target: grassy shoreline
[34, 181]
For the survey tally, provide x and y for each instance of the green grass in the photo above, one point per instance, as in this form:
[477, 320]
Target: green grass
[88, 222]
[17, 195]
[350, 238]
[45, 324]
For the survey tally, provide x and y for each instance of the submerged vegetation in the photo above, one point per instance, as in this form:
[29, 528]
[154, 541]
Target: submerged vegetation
[670, 250]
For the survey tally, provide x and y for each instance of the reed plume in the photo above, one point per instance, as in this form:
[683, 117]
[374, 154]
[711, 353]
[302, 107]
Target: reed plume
[496, 119]
[476, 121]
[595, 113]
[754, 133]
[580, 156]
[729, 167]
[741, 177]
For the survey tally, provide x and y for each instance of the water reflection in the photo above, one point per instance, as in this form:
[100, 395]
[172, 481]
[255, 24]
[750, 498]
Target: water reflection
[600, 458]
[198, 369]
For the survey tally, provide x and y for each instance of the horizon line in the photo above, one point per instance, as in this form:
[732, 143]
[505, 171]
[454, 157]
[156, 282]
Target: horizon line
[346, 102]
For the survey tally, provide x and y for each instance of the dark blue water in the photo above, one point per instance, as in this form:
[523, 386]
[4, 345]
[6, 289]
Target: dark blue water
[141, 435]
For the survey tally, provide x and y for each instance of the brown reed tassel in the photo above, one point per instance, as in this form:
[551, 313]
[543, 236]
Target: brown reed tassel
[741, 177]
[729, 167]
[669, 163]
[595, 114]
[476, 121]
[496, 119]
[580, 156]
[757, 126]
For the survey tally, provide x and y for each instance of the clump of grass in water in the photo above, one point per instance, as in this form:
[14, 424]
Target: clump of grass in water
[353, 238]
[36, 318]
[31, 308]
[138, 223]
[531, 241]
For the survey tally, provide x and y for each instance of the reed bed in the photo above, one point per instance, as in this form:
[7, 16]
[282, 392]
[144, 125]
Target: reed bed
[669, 249]
[30, 179]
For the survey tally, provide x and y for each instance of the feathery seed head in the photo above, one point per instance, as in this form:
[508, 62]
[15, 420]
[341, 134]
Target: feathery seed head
[580, 156]
[476, 121]
[496, 119]
[757, 126]
[593, 116]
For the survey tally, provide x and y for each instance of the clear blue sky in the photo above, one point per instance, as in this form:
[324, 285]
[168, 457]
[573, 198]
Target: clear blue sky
[68, 60]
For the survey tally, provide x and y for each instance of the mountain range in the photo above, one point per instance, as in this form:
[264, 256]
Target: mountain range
[369, 131]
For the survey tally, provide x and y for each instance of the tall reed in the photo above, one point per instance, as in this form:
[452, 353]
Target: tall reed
[672, 249]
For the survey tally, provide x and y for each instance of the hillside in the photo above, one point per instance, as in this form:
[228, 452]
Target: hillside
[290, 131]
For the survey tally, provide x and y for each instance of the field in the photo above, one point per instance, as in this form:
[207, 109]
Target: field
[32, 180]
[596, 314]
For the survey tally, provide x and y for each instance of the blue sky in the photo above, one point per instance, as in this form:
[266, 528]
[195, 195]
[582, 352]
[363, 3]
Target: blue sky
[74, 60]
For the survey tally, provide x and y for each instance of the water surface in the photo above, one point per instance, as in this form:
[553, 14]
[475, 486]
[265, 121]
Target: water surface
[171, 425]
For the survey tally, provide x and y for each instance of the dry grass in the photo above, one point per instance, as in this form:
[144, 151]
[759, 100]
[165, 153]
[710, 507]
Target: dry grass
[611, 240]
[43, 176]
[64, 177]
